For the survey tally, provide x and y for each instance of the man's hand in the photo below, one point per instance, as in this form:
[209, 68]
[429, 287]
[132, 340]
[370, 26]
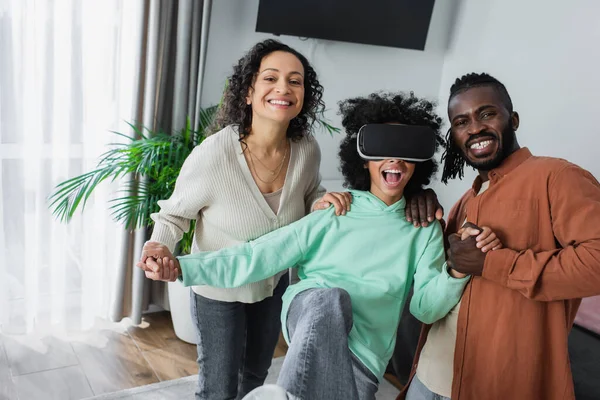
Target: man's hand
[340, 200]
[423, 208]
[485, 237]
[465, 256]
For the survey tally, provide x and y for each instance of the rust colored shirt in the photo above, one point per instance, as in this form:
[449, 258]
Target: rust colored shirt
[515, 319]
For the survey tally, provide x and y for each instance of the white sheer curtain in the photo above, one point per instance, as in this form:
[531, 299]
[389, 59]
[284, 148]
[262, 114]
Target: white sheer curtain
[67, 74]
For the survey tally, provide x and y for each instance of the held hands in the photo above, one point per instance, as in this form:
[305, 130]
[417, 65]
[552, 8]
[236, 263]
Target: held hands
[486, 239]
[340, 200]
[468, 248]
[423, 208]
[158, 262]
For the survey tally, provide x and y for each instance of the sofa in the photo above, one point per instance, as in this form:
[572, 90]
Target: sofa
[588, 316]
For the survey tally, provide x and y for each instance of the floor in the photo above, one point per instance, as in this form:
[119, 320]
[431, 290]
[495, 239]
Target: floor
[109, 358]
[119, 356]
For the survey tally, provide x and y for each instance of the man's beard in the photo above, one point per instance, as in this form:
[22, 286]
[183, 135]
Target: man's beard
[505, 145]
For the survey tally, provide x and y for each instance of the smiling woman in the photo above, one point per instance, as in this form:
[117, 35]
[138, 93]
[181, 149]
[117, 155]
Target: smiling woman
[259, 172]
[278, 91]
[257, 68]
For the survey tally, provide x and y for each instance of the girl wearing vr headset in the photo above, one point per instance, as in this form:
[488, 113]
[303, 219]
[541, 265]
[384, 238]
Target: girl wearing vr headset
[355, 270]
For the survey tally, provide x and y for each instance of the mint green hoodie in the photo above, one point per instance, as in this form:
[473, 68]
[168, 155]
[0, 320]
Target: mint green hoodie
[372, 252]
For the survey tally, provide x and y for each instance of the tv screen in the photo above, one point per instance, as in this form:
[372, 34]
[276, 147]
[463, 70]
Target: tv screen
[394, 23]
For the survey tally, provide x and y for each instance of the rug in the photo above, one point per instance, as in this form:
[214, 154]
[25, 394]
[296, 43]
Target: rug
[183, 388]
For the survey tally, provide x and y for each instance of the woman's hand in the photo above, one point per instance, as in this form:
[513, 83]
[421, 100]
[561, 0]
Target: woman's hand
[155, 250]
[158, 262]
[340, 200]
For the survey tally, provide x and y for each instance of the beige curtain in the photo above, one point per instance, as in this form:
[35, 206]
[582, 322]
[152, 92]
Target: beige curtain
[173, 43]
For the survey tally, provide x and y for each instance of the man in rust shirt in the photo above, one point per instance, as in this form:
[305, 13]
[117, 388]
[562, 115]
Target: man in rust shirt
[507, 338]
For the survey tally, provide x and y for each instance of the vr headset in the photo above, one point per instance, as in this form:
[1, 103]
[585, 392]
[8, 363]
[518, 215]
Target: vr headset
[394, 141]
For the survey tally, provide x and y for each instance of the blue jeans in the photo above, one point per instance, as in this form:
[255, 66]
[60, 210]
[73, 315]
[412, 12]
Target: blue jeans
[418, 391]
[319, 364]
[236, 342]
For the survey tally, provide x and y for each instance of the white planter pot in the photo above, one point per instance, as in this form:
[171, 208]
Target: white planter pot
[179, 303]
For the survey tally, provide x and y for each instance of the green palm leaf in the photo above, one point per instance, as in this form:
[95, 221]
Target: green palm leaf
[154, 156]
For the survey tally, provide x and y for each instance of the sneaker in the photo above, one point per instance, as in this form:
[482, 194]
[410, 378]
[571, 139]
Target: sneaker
[269, 392]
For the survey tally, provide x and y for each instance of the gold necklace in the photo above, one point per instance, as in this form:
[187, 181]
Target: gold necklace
[272, 171]
[278, 169]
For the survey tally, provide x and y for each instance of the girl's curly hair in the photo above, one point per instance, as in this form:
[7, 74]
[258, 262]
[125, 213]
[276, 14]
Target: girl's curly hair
[381, 108]
[234, 109]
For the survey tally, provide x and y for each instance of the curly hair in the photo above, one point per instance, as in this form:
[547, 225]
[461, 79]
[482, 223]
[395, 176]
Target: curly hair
[454, 163]
[234, 109]
[381, 108]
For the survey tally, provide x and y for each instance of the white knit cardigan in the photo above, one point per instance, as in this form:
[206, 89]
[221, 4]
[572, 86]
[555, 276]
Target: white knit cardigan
[216, 188]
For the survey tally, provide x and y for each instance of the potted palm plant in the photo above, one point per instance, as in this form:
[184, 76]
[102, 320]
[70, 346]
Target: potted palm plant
[150, 162]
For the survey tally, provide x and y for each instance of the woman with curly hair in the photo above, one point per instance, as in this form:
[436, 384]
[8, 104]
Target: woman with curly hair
[258, 173]
[355, 270]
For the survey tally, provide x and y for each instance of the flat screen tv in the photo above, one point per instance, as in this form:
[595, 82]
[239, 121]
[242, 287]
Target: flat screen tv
[393, 23]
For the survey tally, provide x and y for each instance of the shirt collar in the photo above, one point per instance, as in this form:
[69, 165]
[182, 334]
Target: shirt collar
[510, 163]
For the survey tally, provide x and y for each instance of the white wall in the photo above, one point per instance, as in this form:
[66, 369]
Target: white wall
[547, 53]
[344, 69]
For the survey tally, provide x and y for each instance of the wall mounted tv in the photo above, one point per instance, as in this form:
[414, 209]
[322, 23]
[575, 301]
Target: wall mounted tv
[393, 23]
